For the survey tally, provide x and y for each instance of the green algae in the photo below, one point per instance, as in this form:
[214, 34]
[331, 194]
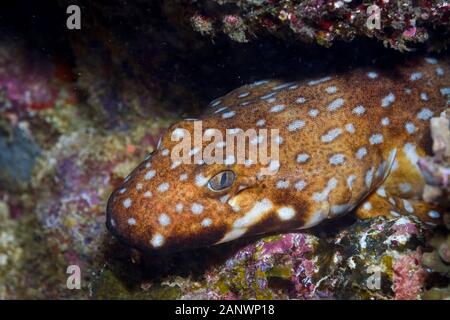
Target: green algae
[222, 286]
[109, 286]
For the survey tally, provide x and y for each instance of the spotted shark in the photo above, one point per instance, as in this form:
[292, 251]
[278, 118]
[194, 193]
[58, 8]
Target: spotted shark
[347, 142]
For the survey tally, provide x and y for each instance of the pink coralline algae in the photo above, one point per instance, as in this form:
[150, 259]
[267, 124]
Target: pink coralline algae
[409, 276]
[279, 246]
[411, 32]
[405, 227]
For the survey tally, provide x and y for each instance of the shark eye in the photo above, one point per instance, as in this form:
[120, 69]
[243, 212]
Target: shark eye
[221, 181]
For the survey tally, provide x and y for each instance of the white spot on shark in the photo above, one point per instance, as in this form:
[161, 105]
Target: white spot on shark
[286, 213]
[376, 138]
[361, 153]
[410, 127]
[200, 180]
[277, 108]
[337, 159]
[300, 185]
[359, 110]
[297, 124]
[206, 222]
[425, 114]
[314, 82]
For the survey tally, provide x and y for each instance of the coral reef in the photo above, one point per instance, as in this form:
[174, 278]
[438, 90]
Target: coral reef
[27, 90]
[401, 25]
[377, 259]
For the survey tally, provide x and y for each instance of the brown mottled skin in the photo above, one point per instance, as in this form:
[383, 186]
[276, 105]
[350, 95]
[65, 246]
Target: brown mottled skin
[261, 205]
